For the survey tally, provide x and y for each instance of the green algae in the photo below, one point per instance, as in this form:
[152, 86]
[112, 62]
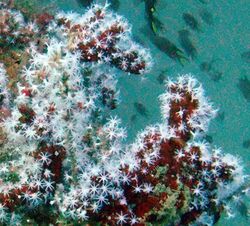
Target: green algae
[161, 171]
[169, 212]
[11, 177]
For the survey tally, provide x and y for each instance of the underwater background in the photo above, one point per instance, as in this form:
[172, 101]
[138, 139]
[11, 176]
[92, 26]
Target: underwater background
[214, 37]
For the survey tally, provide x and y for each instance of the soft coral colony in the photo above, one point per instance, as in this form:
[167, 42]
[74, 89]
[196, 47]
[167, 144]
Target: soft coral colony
[63, 158]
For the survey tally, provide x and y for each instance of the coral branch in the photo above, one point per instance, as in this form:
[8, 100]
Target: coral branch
[63, 158]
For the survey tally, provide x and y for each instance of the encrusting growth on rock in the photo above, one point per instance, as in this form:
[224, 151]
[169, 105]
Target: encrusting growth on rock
[63, 158]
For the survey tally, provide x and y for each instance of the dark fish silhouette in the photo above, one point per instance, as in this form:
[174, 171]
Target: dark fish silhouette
[161, 77]
[191, 21]
[216, 75]
[186, 43]
[205, 66]
[166, 46]
[246, 56]
[206, 17]
[246, 144]
[133, 118]
[154, 23]
[221, 115]
[211, 68]
[244, 86]
[141, 109]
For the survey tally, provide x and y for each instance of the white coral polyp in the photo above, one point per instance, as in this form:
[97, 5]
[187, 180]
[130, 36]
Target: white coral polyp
[64, 108]
[4, 93]
[201, 117]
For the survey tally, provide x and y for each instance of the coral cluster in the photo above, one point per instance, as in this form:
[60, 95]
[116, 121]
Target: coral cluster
[63, 158]
[104, 38]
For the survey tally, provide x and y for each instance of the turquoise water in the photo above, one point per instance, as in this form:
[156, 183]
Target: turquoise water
[220, 43]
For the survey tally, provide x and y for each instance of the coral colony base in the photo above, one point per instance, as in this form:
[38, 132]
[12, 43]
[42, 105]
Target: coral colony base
[63, 159]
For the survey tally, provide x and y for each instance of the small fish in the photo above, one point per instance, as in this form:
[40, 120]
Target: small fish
[133, 118]
[221, 115]
[161, 77]
[216, 75]
[191, 21]
[186, 43]
[207, 17]
[141, 109]
[246, 56]
[166, 46]
[212, 69]
[154, 22]
[246, 144]
[205, 66]
[244, 86]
